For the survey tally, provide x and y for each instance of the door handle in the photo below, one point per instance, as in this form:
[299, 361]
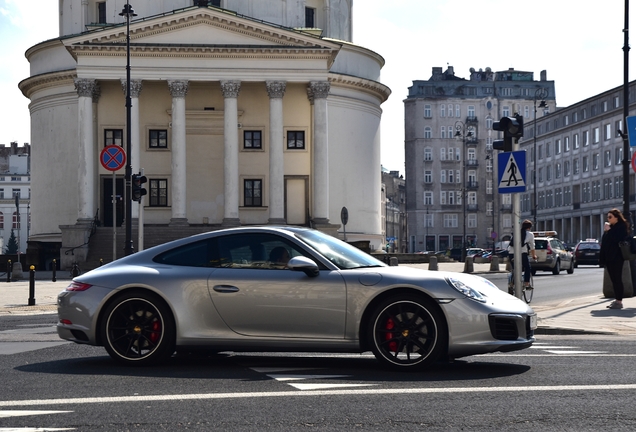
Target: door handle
[225, 288]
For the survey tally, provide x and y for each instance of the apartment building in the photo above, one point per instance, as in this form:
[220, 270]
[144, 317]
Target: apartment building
[451, 173]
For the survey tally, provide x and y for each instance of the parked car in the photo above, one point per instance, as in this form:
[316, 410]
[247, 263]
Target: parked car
[551, 254]
[228, 290]
[475, 252]
[587, 252]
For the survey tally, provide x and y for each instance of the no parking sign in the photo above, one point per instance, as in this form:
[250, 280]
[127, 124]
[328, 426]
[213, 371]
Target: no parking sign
[112, 157]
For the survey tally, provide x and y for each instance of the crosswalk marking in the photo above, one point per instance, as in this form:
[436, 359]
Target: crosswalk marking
[287, 377]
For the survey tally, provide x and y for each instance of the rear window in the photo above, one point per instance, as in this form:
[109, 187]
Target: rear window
[593, 246]
[541, 244]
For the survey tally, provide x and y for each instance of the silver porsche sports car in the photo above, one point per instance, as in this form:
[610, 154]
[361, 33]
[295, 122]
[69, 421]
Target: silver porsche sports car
[286, 289]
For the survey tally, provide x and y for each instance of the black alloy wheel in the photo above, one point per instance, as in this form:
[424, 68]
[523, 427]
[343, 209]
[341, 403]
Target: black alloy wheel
[407, 332]
[138, 329]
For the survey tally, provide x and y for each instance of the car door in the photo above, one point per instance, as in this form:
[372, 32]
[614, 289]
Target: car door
[258, 297]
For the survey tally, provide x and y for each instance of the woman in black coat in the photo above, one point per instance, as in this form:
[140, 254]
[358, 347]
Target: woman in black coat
[611, 256]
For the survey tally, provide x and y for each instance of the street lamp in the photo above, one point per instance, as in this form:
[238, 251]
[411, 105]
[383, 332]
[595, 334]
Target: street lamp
[128, 12]
[462, 132]
[540, 93]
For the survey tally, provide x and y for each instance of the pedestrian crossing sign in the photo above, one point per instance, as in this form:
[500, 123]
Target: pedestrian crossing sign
[512, 171]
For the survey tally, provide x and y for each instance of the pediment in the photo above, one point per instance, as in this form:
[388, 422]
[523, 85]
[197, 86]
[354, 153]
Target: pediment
[198, 29]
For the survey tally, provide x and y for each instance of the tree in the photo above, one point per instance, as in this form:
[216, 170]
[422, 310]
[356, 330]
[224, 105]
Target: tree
[12, 245]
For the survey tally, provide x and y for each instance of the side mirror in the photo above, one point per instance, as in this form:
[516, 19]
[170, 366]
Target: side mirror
[304, 264]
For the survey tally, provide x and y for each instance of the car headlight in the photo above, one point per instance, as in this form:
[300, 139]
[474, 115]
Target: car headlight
[469, 292]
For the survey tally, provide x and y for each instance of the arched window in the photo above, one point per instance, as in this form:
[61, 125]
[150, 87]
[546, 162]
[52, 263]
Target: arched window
[1, 220]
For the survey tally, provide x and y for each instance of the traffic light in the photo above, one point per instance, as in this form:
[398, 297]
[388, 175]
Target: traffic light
[512, 127]
[137, 190]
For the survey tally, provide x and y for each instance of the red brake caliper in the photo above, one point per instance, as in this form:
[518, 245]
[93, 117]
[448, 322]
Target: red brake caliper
[390, 325]
[156, 331]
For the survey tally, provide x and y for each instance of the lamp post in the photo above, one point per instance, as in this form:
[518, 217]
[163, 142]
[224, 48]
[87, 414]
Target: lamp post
[462, 132]
[128, 12]
[540, 93]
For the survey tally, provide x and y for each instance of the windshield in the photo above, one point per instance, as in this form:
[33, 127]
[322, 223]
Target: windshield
[341, 254]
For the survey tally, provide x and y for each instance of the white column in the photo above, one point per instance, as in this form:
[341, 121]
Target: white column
[135, 141]
[230, 91]
[276, 91]
[318, 92]
[86, 165]
[178, 90]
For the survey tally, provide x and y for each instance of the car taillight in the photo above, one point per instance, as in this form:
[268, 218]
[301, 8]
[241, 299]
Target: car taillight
[549, 252]
[78, 286]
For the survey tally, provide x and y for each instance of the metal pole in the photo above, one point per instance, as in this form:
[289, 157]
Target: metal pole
[128, 248]
[626, 158]
[114, 201]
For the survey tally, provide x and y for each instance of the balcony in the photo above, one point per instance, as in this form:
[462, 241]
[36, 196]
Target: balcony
[506, 208]
[472, 141]
[472, 207]
[472, 185]
[471, 120]
[472, 163]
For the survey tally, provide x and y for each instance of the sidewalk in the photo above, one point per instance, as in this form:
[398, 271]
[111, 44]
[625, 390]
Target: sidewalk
[583, 315]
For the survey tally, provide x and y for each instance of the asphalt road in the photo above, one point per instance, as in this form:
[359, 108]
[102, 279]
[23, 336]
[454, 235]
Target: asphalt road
[568, 383]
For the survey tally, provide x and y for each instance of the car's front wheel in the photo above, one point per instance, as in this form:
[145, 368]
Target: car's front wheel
[138, 329]
[407, 332]
[557, 268]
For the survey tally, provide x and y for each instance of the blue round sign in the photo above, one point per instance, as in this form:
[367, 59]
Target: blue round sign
[112, 157]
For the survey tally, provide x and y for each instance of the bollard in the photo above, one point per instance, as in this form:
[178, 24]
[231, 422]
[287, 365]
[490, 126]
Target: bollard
[54, 270]
[468, 265]
[393, 261]
[494, 264]
[32, 285]
[432, 262]
[9, 268]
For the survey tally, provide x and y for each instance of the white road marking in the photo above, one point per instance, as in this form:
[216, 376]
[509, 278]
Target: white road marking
[34, 429]
[5, 414]
[340, 392]
[287, 377]
[575, 352]
[278, 369]
[8, 348]
[326, 386]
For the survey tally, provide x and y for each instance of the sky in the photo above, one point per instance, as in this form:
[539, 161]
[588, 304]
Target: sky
[579, 44]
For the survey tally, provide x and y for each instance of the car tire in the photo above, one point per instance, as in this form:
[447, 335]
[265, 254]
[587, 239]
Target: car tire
[557, 268]
[571, 269]
[407, 332]
[138, 328]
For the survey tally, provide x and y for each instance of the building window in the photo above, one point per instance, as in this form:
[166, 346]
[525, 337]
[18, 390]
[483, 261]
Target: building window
[252, 193]
[506, 111]
[428, 132]
[586, 164]
[16, 220]
[310, 17]
[608, 132]
[457, 111]
[1, 220]
[16, 179]
[618, 155]
[450, 221]
[427, 111]
[450, 110]
[557, 147]
[548, 150]
[595, 161]
[557, 171]
[596, 137]
[428, 198]
[618, 126]
[548, 173]
[15, 193]
[442, 197]
[101, 13]
[158, 192]
[216, 3]
[428, 154]
[296, 140]
[1, 193]
[566, 168]
[607, 160]
[428, 176]
[576, 144]
[617, 102]
[442, 176]
[586, 138]
[158, 138]
[471, 111]
[575, 166]
[442, 110]
[472, 221]
[252, 139]
[113, 137]
[566, 144]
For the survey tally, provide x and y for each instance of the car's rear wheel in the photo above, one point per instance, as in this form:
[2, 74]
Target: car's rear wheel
[138, 329]
[407, 332]
[571, 268]
[557, 268]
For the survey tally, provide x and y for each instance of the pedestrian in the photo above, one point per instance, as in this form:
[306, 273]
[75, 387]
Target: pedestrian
[527, 250]
[611, 256]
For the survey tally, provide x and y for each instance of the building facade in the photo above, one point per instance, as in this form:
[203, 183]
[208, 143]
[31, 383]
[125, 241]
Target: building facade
[15, 195]
[451, 170]
[394, 214]
[243, 112]
[579, 175]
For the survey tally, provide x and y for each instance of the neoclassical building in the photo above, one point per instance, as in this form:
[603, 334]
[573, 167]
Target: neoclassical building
[243, 112]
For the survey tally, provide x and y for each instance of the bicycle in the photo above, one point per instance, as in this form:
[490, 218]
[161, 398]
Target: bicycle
[527, 291]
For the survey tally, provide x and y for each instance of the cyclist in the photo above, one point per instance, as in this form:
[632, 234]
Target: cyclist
[527, 250]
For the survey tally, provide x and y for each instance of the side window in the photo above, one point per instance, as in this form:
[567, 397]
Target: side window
[199, 254]
[255, 251]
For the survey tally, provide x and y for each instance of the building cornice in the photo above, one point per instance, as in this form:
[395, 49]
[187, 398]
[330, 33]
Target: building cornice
[47, 80]
[373, 87]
